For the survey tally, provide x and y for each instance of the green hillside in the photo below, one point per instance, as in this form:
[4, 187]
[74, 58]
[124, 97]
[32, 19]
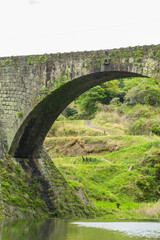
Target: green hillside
[117, 167]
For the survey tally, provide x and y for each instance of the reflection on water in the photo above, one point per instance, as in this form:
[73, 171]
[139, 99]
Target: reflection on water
[67, 230]
[33, 230]
[132, 229]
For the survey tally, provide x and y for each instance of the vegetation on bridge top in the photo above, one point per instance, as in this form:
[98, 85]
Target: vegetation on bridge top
[95, 57]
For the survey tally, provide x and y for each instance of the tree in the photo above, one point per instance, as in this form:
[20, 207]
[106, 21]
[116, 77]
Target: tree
[100, 94]
[87, 101]
[147, 91]
[112, 90]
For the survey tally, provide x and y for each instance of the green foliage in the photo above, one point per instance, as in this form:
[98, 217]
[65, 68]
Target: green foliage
[129, 91]
[115, 101]
[155, 128]
[104, 93]
[158, 54]
[20, 114]
[145, 127]
[7, 61]
[112, 90]
[146, 92]
[87, 101]
[30, 60]
[129, 83]
[43, 59]
[40, 58]
[149, 180]
[146, 173]
[64, 78]
[108, 183]
[70, 111]
[112, 54]
[15, 187]
[138, 59]
[104, 181]
[142, 119]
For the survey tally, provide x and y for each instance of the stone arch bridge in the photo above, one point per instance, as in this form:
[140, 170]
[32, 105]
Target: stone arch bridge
[34, 90]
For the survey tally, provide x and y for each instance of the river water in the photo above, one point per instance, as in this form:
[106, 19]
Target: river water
[75, 230]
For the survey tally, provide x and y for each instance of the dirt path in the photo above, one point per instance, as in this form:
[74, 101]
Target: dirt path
[88, 123]
[149, 139]
[106, 160]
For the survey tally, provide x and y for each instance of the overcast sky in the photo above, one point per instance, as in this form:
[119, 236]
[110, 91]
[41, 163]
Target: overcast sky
[50, 26]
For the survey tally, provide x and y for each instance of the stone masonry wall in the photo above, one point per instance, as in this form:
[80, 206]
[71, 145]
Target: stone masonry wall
[25, 80]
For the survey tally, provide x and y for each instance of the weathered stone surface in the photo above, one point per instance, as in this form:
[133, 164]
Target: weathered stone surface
[34, 90]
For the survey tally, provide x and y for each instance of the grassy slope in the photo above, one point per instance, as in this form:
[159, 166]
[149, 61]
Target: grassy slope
[72, 128]
[72, 138]
[18, 197]
[106, 183]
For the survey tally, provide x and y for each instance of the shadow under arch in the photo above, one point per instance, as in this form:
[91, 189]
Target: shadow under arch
[30, 136]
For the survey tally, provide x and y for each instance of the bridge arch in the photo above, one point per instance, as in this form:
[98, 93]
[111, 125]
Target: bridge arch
[29, 138]
[22, 79]
[24, 121]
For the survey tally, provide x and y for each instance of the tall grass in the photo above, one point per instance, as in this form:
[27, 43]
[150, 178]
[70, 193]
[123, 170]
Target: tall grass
[134, 120]
[109, 118]
[150, 210]
[72, 128]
